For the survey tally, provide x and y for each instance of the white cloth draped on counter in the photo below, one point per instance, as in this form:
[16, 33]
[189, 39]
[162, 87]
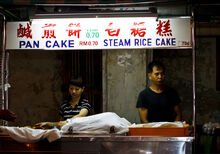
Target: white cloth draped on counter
[23, 134]
[103, 123]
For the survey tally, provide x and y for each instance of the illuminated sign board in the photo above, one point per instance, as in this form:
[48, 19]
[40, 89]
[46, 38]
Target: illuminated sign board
[100, 33]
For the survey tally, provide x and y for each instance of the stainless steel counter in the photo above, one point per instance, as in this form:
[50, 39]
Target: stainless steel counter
[109, 144]
[124, 138]
[103, 144]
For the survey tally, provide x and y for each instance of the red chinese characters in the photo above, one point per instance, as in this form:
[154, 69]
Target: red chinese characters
[138, 31]
[163, 28]
[48, 31]
[75, 32]
[24, 32]
[111, 31]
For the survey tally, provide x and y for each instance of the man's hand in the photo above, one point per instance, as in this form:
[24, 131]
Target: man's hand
[7, 115]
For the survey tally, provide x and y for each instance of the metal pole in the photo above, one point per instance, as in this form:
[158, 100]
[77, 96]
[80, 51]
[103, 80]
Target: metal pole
[3, 63]
[3, 67]
[194, 73]
[7, 85]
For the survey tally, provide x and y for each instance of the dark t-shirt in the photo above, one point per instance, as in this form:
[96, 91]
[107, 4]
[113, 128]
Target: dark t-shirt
[67, 111]
[160, 106]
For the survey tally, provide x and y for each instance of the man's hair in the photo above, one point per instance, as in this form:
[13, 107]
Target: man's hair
[156, 64]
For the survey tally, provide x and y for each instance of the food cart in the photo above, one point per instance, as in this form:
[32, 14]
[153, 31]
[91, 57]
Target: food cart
[139, 32]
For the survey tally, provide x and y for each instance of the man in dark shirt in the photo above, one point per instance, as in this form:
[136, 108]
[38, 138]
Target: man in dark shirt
[158, 102]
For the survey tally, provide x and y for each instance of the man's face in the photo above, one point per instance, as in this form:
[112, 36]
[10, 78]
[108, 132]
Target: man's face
[157, 76]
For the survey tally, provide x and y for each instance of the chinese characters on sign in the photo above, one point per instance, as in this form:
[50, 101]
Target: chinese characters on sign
[49, 33]
[138, 31]
[111, 31]
[163, 28]
[74, 31]
[24, 32]
[99, 33]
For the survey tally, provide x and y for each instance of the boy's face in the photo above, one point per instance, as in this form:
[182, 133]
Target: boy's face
[75, 91]
[157, 76]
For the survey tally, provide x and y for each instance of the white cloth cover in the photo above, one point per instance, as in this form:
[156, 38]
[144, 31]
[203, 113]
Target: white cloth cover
[101, 123]
[23, 134]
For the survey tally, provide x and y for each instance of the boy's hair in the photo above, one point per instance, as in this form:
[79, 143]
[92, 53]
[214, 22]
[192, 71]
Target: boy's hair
[76, 82]
[156, 64]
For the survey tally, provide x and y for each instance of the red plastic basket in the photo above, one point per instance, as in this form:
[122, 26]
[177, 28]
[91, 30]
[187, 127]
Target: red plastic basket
[159, 131]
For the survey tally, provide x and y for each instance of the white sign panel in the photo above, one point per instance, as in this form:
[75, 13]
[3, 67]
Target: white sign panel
[99, 33]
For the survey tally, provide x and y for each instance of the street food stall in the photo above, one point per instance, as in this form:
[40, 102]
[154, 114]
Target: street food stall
[103, 32]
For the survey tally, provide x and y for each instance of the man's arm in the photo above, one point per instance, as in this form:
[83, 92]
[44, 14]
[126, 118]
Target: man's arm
[143, 114]
[178, 112]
